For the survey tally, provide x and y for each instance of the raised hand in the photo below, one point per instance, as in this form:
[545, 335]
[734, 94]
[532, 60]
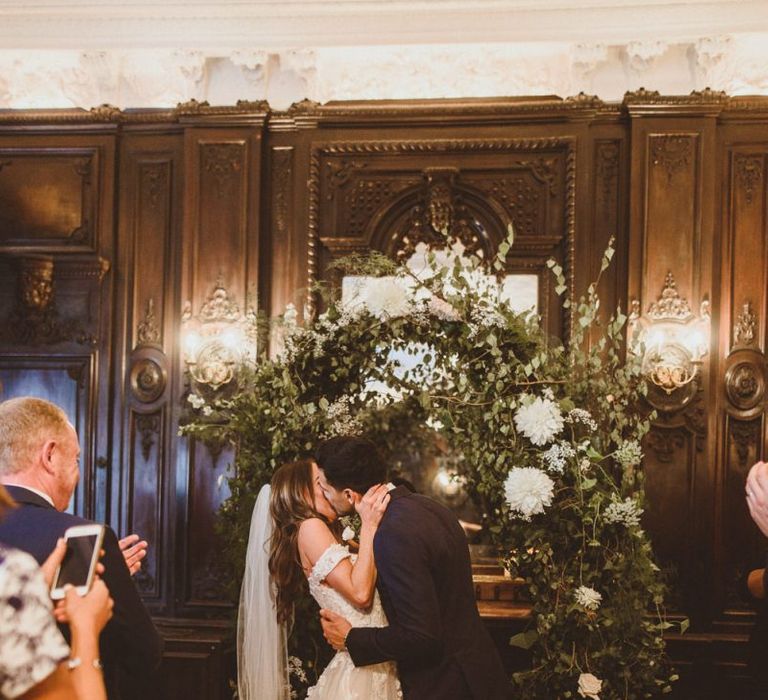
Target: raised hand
[134, 551]
[372, 505]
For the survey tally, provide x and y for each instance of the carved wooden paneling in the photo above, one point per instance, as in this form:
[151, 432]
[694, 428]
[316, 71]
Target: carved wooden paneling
[221, 250]
[672, 204]
[392, 195]
[48, 198]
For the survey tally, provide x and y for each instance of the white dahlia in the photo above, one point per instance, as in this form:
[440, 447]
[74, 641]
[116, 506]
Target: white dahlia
[528, 491]
[590, 686]
[386, 298]
[539, 420]
[588, 598]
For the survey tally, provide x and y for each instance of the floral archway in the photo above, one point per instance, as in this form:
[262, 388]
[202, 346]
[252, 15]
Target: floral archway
[549, 443]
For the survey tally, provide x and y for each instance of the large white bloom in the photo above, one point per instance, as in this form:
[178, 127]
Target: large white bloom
[590, 686]
[629, 454]
[588, 597]
[528, 491]
[626, 512]
[386, 298]
[539, 420]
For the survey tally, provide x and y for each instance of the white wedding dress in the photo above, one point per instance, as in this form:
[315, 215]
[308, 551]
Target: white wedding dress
[342, 680]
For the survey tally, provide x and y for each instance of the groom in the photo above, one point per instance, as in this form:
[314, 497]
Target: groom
[442, 649]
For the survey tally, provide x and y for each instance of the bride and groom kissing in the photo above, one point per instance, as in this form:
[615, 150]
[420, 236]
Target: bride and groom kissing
[400, 611]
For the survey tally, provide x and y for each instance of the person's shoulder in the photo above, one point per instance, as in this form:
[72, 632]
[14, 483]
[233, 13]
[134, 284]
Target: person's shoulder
[313, 527]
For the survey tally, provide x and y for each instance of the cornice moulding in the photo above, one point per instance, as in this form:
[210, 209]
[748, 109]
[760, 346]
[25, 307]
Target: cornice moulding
[56, 24]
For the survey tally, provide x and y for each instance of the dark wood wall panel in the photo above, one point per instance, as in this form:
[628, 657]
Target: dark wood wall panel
[144, 214]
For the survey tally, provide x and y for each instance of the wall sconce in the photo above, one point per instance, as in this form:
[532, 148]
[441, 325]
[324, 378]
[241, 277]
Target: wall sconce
[218, 340]
[671, 340]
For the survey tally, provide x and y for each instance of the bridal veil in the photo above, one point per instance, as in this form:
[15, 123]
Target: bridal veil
[262, 652]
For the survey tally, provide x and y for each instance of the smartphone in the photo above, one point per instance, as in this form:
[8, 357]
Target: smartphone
[79, 564]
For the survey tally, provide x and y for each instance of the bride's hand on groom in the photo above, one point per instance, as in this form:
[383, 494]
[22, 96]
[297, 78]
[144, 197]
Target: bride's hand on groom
[335, 629]
[372, 505]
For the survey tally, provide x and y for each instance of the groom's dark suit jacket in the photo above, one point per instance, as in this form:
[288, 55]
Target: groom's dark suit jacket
[130, 646]
[435, 634]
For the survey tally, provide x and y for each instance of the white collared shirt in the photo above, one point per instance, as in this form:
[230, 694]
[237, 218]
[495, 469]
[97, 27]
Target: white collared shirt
[33, 490]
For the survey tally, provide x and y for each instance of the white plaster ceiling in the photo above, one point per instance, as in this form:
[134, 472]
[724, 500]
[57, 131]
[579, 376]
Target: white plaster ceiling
[241, 24]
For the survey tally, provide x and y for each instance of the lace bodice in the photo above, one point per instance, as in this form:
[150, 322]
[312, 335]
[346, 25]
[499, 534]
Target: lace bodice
[331, 599]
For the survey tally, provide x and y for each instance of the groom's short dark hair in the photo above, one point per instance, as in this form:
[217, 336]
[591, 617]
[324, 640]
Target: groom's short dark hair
[351, 463]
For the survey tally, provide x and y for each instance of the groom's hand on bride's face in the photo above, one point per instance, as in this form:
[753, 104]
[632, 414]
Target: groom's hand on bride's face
[335, 629]
[371, 507]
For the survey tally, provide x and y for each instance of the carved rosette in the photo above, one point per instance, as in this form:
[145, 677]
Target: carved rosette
[745, 385]
[148, 380]
[749, 175]
[672, 152]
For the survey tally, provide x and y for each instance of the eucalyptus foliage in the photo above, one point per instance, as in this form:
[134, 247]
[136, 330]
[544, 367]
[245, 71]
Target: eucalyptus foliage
[586, 564]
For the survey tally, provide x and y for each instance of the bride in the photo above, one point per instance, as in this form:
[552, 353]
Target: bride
[293, 536]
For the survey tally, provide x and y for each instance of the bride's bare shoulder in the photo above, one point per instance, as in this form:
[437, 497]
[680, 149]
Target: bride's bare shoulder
[314, 538]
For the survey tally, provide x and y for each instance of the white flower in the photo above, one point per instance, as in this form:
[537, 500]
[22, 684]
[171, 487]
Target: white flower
[585, 465]
[629, 453]
[386, 298]
[290, 315]
[348, 534]
[590, 686]
[528, 491]
[557, 456]
[196, 400]
[207, 410]
[539, 420]
[442, 309]
[588, 598]
[343, 422]
[295, 668]
[579, 415]
[627, 513]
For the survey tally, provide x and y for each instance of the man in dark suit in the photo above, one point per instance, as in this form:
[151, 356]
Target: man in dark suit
[39, 465]
[435, 634]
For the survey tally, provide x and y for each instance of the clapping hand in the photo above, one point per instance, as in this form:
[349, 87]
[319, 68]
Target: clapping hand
[134, 551]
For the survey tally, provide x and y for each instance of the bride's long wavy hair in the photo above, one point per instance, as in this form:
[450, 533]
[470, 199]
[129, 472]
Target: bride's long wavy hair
[292, 501]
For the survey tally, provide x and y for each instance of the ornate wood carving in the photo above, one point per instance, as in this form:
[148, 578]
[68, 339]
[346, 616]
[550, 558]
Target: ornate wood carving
[607, 173]
[664, 442]
[672, 152]
[749, 175]
[148, 332]
[148, 426]
[744, 327]
[670, 304]
[224, 162]
[534, 156]
[36, 320]
[745, 436]
[148, 379]
[282, 190]
[154, 179]
[48, 198]
[745, 385]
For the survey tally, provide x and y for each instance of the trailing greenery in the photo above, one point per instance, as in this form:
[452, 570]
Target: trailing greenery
[548, 439]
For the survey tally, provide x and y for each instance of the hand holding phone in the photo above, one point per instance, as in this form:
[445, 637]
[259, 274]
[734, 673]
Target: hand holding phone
[79, 564]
